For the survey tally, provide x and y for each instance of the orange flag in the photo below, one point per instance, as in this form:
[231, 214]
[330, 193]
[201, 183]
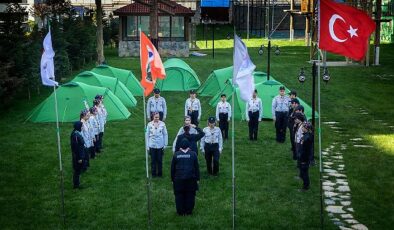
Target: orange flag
[151, 65]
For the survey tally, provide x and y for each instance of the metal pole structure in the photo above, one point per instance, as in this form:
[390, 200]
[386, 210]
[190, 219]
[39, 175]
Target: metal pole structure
[213, 40]
[233, 154]
[147, 172]
[291, 20]
[273, 13]
[269, 58]
[320, 153]
[60, 157]
[314, 69]
[247, 24]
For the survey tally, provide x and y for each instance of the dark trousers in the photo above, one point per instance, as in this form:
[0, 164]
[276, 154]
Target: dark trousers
[100, 144]
[156, 161]
[304, 174]
[96, 144]
[281, 125]
[293, 148]
[253, 124]
[86, 159]
[298, 155]
[193, 117]
[185, 194]
[76, 174]
[223, 124]
[160, 116]
[212, 155]
[92, 152]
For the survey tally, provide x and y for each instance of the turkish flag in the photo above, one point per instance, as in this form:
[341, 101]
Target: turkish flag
[151, 65]
[344, 29]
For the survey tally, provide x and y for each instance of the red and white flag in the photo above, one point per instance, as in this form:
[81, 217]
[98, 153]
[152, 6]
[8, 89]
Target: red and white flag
[343, 29]
[151, 64]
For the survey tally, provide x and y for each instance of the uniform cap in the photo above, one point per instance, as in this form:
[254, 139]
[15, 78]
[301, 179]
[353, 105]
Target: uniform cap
[295, 100]
[282, 88]
[211, 120]
[192, 91]
[223, 95]
[156, 91]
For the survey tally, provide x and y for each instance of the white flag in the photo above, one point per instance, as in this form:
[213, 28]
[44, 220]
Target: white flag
[47, 65]
[243, 69]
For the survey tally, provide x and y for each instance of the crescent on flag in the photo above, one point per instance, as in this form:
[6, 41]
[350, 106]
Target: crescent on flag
[333, 18]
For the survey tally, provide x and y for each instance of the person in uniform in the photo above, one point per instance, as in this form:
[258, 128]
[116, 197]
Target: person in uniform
[192, 130]
[87, 138]
[254, 114]
[294, 103]
[94, 122]
[156, 139]
[298, 123]
[280, 112]
[102, 117]
[306, 152]
[185, 174]
[212, 146]
[223, 115]
[193, 108]
[77, 149]
[156, 104]
[192, 138]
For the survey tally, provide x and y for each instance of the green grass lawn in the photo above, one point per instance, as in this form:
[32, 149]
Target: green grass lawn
[115, 197]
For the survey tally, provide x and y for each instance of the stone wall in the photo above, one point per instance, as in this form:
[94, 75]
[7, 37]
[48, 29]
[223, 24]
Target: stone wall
[166, 48]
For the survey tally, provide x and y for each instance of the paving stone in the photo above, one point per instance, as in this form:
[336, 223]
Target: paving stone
[341, 166]
[344, 228]
[331, 122]
[328, 183]
[330, 194]
[330, 171]
[359, 227]
[345, 197]
[343, 188]
[350, 209]
[335, 209]
[351, 221]
[363, 146]
[328, 163]
[328, 188]
[329, 201]
[356, 139]
[346, 203]
[338, 223]
[347, 216]
[337, 175]
[338, 157]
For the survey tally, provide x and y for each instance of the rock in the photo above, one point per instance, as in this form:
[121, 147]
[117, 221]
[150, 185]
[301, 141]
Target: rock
[330, 194]
[359, 227]
[351, 221]
[328, 188]
[350, 209]
[344, 197]
[347, 216]
[335, 209]
[346, 203]
[343, 188]
[329, 202]
[328, 183]
[337, 175]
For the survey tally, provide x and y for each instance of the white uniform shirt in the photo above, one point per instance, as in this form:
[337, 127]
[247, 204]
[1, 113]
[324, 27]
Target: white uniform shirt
[156, 135]
[101, 117]
[193, 105]
[156, 105]
[223, 107]
[94, 125]
[280, 104]
[299, 134]
[212, 136]
[87, 137]
[254, 105]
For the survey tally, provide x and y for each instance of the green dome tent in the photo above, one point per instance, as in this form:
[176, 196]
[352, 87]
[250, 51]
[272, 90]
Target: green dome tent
[70, 99]
[113, 84]
[179, 77]
[266, 91]
[125, 76]
[217, 81]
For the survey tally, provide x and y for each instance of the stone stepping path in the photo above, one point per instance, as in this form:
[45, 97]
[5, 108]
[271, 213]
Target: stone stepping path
[337, 193]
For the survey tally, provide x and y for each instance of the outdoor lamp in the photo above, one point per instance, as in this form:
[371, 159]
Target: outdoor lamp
[277, 51]
[228, 36]
[326, 75]
[261, 50]
[301, 76]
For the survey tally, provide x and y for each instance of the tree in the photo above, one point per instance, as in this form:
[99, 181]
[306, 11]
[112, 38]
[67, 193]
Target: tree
[99, 34]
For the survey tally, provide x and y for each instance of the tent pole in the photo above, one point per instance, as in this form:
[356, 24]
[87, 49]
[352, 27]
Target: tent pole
[60, 158]
[147, 172]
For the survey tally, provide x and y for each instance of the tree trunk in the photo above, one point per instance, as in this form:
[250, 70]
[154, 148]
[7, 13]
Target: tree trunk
[100, 41]
[154, 23]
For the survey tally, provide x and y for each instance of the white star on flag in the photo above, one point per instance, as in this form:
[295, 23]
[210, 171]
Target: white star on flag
[352, 31]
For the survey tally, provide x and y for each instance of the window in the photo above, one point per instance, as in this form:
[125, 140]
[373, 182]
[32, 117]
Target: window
[164, 26]
[133, 23]
[178, 28]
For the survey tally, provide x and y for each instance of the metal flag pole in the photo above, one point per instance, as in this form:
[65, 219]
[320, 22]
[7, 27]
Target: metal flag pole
[147, 172]
[233, 153]
[320, 153]
[247, 23]
[60, 157]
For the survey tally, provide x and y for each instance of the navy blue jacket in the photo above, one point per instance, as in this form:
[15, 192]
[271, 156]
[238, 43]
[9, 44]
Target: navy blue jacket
[77, 147]
[192, 138]
[307, 148]
[185, 166]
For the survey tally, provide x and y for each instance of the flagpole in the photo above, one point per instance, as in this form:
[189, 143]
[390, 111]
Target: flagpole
[320, 153]
[147, 172]
[60, 157]
[233, 153]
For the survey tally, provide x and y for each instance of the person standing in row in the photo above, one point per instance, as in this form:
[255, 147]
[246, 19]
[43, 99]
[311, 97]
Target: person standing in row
[192, 138]
[156, 104]
[87, 137]
[254, 114]
[156, 138]
[298, 122]
[102, 117]
[306, 152]
[212, 146]
[94, 124]
[77, 149]
[185, 174]
[223, 115]
[280, 112]
[294, 104]
[193, 108]
[192, 130]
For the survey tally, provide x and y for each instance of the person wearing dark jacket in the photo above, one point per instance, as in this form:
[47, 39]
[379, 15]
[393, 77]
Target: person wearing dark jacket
[185, 174]
[77, 149]
[294, 103]
[306, 152]
[192, 138]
